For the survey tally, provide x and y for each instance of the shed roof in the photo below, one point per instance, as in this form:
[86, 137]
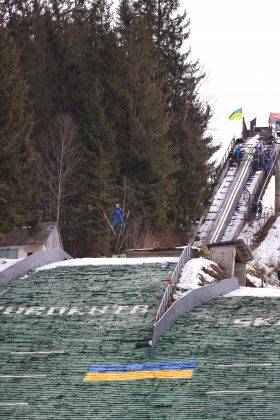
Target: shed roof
[274, 116]
[23, 236]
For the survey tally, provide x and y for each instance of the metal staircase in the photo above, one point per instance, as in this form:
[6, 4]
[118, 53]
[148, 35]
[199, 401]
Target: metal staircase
[238, 187]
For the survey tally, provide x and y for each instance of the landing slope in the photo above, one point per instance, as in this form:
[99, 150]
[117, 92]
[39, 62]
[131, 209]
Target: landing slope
[73, 323]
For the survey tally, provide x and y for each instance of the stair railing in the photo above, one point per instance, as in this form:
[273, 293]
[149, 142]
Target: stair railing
[270, 173]
[220, 178]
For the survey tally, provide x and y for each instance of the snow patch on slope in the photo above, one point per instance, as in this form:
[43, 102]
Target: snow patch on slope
[192, 270]
[250, 229]
[269, 250]
[109, 261]
[256, 292]
[7, 262]
[256, 281]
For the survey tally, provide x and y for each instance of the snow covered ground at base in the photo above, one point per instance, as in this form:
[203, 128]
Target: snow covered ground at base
[109, 261]
[190, 274]
[254, 280]
[6, 262]
[269, 250]
[250, 229]
[268, 199]
[255, 292]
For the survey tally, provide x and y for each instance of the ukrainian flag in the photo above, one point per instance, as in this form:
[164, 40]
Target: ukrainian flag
[236, 114]
[135, 371]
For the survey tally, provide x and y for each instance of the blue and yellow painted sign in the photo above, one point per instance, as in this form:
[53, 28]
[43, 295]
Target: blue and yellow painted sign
[150, 370]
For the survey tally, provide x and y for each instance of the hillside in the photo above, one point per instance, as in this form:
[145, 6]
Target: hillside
[57, 322]
[268, 252]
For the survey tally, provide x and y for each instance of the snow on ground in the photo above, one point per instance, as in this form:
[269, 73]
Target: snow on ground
[250, 229]
[254, 280]
[269, 196]
[251, 143]
[5, 263]
[109, 261]
[190, 279]
[190, 274]
[269, 250]
[256, 292]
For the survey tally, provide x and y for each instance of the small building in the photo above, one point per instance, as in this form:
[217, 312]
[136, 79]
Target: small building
[23, 242]
[232, 257]
[274, 122]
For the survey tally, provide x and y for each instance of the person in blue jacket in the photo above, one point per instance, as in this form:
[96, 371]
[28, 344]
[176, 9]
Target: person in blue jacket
[266, 166]
[237, 153]
[118, 217]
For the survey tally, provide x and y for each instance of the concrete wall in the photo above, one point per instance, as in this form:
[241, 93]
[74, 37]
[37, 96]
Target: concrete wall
[240, 273]
[224, 255]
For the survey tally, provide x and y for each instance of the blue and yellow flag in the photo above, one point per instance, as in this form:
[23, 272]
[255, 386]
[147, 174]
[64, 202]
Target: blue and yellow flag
[148, 370]
[236, 114]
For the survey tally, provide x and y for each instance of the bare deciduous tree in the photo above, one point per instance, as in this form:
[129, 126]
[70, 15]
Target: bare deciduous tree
[61, 155]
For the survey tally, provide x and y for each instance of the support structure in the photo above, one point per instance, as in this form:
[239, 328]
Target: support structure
[232, 257]
[277, 186]
[224, 255]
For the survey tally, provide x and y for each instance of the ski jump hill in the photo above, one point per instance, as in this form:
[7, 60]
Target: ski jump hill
[58, 325]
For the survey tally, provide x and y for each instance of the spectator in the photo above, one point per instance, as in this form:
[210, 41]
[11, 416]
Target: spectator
[254, 210]
[259, 209]
[266, 167]
[255, 164]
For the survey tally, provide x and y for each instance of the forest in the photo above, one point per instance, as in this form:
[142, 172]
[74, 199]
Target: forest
[100, 104]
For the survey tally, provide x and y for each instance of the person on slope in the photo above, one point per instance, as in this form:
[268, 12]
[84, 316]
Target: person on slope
[237, 153]
[254, 210]
[266, 167]
[260, 209]
[118, 218]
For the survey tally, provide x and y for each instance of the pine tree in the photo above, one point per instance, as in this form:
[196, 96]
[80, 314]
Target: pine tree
[18, 161]
[189, 119]
[195, 150]
[146, 156]
[101, 168]
[85, 66]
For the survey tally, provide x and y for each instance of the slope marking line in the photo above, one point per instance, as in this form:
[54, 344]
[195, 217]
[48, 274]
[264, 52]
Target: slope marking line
[245, 365]
[21, 353]
[22, 376]
[6, 404]
[231, 392]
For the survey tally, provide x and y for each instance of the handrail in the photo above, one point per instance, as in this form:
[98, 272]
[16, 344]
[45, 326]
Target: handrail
[165, 301]
[270, 173]
[220, 176]
[226, 154]
[259, 194]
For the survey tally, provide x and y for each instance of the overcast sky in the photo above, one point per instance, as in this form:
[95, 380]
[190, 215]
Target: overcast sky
[237, 43]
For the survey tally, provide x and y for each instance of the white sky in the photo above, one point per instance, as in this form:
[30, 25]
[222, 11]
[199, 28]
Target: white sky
[237, 44]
